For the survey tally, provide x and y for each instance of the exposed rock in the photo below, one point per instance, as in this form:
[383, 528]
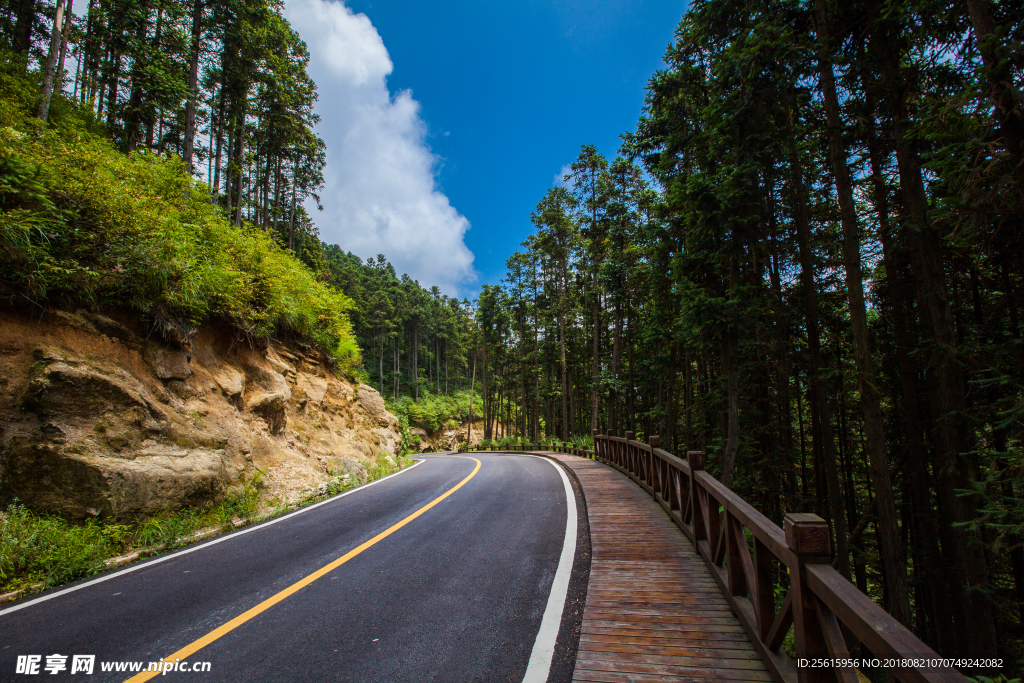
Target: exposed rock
[231, 383]
[269, 380]
[180, 389]
[388, 439]
[75, 320]
[95, 422]
[314, 388]
[78, 390]
[373, 404]
[108, 326]
[167, 363]
[341, 467]
[280, 366]
[271, 408]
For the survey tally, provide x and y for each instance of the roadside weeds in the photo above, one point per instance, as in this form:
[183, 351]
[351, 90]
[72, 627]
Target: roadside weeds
[40, 551]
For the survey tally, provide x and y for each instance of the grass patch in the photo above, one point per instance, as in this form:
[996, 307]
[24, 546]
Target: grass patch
[41, 550]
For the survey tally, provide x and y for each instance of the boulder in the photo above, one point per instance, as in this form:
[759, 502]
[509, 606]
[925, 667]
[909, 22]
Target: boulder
[81, 479]
[167, 363]
[271, 382]
[270, 406]
[231, 383]
[79, 391]
[280, 366]
[388, 440]
[373, 404]
[314, 388]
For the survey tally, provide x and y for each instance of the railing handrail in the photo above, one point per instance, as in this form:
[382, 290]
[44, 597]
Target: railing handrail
[819, 602]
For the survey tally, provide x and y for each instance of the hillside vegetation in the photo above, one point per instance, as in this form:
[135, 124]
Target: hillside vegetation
[85, 225]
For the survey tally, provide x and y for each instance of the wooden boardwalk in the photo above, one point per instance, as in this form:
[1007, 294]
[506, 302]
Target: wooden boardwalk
[653, 610]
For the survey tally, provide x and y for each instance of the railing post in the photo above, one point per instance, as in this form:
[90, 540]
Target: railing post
[696, 462]
[629, 437]
[655, 442]
[807, 537]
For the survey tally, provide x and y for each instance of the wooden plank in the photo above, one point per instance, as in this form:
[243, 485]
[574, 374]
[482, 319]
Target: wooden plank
[660, 647]
[653, 609]
[723, 635]
[597, 672]
[652, 656]
[655, 638]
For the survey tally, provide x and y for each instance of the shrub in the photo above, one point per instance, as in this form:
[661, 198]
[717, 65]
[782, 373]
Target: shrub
[433, 411]
[41, 548]
[84, 225]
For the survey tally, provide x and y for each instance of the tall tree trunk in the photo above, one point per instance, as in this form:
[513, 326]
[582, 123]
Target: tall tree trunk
[238, 165]
[193, 84]
[415, 369]
[472, 389]
[595, 368]
[1002, 89]
[821, 414]
[730, 342]
[43, 110]
[69, 17]
[25, 19]
[954, 470]
[929, 572]
[893, 557]
[563, 284]
[613, 394]
[135, 100]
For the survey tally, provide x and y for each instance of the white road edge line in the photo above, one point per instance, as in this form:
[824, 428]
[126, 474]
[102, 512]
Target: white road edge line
[544, 647]
[220, 539]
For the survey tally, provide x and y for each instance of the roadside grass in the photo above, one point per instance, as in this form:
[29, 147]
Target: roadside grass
[40, 550]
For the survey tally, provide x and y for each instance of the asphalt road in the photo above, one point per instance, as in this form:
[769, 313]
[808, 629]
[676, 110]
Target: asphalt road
[455, 594]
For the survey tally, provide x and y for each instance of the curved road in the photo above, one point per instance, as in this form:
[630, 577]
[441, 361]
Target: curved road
[405, 587]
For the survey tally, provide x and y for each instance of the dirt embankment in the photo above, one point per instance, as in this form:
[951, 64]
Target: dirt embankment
[97, 417]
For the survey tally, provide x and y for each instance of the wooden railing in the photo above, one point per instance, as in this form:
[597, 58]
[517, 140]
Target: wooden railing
[753, 561]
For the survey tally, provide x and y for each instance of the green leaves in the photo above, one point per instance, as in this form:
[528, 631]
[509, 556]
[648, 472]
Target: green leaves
[85, 225]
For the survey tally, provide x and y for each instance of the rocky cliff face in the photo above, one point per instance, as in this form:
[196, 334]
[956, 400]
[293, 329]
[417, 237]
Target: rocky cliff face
[96, 419]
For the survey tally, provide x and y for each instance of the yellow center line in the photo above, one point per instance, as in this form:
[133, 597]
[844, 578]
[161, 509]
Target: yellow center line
[216, 633]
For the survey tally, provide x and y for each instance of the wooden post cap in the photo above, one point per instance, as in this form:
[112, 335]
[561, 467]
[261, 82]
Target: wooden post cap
[611, 432]
[630, 436]
[655, 441]
[695, 459]
[593, 432]
[807, 534]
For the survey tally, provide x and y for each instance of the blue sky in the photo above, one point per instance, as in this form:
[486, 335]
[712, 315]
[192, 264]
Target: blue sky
[490, 100]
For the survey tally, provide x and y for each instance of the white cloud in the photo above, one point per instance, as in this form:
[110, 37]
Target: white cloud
[381, 194]
[560, 180]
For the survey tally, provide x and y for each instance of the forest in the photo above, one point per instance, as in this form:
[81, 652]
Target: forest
[806, 260]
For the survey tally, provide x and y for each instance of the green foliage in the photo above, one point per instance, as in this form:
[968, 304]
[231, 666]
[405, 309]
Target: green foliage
[396, 321]
[40, 548]
[433, 411]
[84, 225]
